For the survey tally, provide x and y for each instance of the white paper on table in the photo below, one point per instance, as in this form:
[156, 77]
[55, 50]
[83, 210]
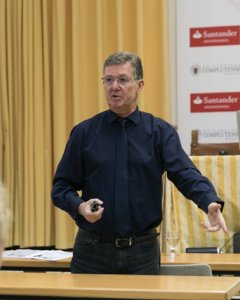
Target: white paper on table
[37, 254]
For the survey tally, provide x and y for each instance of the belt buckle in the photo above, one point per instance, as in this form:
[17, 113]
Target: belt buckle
[124, 242]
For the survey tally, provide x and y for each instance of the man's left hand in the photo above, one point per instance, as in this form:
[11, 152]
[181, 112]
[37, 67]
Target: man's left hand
[216, 219]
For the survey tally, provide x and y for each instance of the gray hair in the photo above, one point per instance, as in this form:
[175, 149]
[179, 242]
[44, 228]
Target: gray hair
[120, 58]
[4, 216]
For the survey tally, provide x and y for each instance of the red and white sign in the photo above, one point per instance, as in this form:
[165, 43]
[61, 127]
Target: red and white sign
[213, 102]
[214, 36]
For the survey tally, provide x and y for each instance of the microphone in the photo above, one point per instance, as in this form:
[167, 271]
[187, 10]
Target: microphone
[235, 243]
[225, 244]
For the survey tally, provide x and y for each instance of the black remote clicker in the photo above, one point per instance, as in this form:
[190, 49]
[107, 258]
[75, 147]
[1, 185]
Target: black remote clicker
[94, 206]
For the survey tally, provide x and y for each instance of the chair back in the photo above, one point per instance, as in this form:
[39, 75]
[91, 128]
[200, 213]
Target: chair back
[186, 270]
[212, 149]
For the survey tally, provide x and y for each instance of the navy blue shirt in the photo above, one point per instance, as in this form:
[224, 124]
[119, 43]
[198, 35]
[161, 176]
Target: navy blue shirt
[88, 166]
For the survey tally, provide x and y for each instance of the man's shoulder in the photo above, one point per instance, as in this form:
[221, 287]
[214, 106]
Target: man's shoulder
[155, 119]
[90, 123]
[96, 118]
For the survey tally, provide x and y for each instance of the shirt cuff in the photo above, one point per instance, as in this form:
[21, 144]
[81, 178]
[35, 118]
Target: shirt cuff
[207, 200]
[74, 203]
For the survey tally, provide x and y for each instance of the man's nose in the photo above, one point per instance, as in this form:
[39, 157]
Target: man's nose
[116, 83]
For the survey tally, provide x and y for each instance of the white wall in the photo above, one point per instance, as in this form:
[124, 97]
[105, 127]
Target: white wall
[207, 72]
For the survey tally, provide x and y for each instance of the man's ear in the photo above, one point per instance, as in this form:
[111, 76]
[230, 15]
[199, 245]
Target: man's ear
[140, 85]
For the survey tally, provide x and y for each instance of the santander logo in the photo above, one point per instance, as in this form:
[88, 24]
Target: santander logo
[214, 36]
[197, 35]
[197, 100]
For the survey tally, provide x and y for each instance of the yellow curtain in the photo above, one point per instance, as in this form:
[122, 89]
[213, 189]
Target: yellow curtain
[51, 57]
[223, 172]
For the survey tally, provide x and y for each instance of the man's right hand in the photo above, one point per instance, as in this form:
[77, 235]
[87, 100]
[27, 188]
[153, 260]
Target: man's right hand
[84, 209]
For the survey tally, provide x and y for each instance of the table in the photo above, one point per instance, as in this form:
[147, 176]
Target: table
[117, 286]
[186, 217]
[223, 263]
[27, 264]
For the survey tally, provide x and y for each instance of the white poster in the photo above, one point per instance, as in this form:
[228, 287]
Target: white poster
[208, 70]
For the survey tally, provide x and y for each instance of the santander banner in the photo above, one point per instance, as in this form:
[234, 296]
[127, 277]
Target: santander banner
[208, 70]
[214, 36]
[212, 102]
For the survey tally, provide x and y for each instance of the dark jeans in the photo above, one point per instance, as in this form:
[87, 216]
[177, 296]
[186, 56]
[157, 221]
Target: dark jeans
[93, 257]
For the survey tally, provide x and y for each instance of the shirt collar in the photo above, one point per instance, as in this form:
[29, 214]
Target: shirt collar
[134, 117]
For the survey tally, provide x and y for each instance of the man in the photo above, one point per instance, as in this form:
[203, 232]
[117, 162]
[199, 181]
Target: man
[115, 238]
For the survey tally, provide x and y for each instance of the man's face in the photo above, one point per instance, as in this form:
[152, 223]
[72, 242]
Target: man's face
[121, 89]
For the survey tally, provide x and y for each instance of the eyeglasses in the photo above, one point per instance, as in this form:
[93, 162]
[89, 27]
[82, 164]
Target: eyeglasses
[123, 81]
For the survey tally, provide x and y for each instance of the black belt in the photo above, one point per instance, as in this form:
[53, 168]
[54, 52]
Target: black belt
[123, 242]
